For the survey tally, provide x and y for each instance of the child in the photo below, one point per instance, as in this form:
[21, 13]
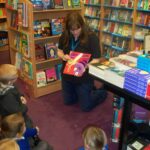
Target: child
[11, 101]
[13, 126]
[94, 139]
[8, 144]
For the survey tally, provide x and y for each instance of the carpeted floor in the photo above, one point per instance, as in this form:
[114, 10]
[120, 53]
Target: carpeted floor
[61, 125]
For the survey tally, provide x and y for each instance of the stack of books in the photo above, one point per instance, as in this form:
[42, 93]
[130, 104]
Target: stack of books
[137, 81]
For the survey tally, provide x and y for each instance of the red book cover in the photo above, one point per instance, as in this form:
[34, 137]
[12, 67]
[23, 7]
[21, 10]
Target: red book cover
[78, 63]
[51, 75]
[148, 91]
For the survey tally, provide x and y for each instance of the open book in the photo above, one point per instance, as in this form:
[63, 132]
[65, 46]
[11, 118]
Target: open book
[77, 65]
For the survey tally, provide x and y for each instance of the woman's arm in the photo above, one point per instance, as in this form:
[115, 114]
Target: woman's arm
[64, 57]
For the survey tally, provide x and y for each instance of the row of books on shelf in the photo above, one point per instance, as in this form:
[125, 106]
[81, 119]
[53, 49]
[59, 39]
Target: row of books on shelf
[45, 51]
[50, 4]
[46, 27]
[118, 15]
[143, 4]
[94, 24]
[122, 3]
[115, 41]
[143, 19]
[140, 33]
[91, 2]
[92, 11]
[127, 72]
[121, 29]
[49, 75]
[2, 12]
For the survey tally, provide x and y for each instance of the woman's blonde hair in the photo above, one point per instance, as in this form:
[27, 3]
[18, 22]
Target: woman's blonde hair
[9, 144]
[94, 137]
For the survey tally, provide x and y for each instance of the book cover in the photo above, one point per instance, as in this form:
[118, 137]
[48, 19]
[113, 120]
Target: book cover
[58, 4]
[41, 78]
[25, 45]
[39, 52]
[75, 3]
[48, 4]
[67, 3]
[37, 4]
[45, 26]
[27, 68]
[50, 50]
[51, 75]
[78, 63]
[56, 26]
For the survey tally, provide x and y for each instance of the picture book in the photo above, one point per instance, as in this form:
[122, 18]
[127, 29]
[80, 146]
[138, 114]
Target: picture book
[77, 65]
[45, 27]
[39, 52]
[51, 75]
[41, 78]
[14, 19]
[18, 61]
[58, 3]
[48, 4]
[67, 3]
[56, 26]
[25, 45]
[37, 28]
[75, 3]
[37, 4]
[50, 50]
[27, 68]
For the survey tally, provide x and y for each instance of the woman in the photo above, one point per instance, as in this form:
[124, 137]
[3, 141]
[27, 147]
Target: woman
[77, 37]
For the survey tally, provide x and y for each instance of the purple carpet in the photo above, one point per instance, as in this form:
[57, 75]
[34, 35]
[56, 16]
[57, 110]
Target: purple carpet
[61, 125]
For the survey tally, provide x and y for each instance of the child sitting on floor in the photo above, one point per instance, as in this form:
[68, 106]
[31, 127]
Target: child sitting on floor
[8, 144]
[94, 139]
[11, 101]
[13, 126]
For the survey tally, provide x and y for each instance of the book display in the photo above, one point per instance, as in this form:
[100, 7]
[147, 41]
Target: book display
[34, 28]
[121, 24]
[3, 27]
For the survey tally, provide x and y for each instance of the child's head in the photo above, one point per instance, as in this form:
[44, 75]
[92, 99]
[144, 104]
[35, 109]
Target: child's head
[94, 138]
[8, 144]
[8, 73]
[13, 125]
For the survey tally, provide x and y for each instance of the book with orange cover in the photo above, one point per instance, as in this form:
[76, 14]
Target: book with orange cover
[77, 65]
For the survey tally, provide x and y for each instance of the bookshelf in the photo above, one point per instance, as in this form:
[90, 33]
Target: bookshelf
[121, 24]
[25, 56]
[3, 27]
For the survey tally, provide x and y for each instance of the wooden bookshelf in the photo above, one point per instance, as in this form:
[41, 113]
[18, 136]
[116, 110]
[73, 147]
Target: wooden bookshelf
[3, 27]
[134, 12]
[37, 65]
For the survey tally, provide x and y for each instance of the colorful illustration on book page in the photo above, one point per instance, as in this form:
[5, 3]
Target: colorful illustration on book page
[77, 65]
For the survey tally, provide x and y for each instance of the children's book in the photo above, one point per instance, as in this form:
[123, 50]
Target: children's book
[48, 4]
[67, 3]
[41, 78]
[45, 25]
[40, 52]
[56, 26]
[25, 45]
[50, 50]
[37, 4]
[77, 65]
[51, 75]
[58, 3]
[75, 3]
[27, 68]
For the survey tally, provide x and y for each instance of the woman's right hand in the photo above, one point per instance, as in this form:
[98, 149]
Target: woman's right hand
[66, 57]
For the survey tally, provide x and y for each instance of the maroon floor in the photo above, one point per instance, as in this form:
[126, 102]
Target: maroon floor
[61, 125]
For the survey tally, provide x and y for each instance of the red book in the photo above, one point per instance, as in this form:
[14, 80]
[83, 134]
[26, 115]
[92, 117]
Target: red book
[78, 63]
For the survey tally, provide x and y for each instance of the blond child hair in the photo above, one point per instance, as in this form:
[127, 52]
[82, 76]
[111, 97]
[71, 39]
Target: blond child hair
[94, 138]
[9, 144]
[13, 125]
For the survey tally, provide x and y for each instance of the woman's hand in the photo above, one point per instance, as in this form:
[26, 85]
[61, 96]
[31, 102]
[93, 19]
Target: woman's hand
[66, 57]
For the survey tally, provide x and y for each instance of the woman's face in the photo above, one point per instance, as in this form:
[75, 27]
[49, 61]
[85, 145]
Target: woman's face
[76, 32]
